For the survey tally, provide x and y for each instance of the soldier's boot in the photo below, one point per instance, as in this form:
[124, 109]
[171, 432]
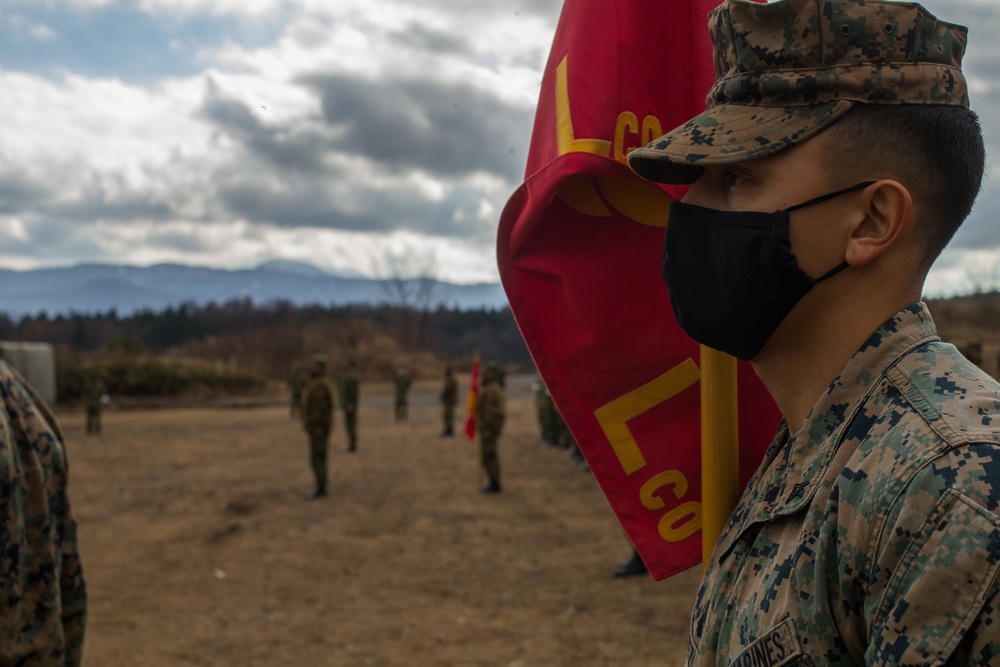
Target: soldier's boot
[631, 567]
[492, 487]
[318, 492]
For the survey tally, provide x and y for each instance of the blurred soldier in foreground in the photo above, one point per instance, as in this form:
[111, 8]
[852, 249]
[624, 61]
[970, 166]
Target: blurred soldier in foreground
[317, 418]
[836, 159]
[449, 398]
[94, 391]
[402, 384]
[349, 386]
[489, 421]
[43, 597]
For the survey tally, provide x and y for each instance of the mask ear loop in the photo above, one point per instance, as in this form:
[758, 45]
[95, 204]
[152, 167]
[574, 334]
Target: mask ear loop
[818, 200]
[827, 197]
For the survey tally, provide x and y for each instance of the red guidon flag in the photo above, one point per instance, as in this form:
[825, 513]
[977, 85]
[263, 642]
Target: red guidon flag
[472, 402]
[579, 250]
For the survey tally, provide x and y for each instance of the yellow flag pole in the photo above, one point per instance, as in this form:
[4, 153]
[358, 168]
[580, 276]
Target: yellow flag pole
[720, 467]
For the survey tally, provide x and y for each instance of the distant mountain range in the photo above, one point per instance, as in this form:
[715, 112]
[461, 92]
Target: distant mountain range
[93, 288]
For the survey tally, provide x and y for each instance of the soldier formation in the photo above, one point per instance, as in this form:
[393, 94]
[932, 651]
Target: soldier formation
[314, 401]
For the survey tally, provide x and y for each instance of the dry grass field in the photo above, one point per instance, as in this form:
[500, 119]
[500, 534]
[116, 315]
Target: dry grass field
[200, 549]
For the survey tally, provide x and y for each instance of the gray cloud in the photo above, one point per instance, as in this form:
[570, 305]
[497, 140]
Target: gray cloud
[446, 129]
[298, 148]
[546, 8]
[423, 38]
[70, 192]
[316, 201]
[18, 192]
[285, 175]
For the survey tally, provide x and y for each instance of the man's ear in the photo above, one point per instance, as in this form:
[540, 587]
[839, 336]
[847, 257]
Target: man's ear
[886, 214]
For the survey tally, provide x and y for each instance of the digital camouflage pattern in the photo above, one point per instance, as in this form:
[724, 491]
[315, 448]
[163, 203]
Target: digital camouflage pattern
[43, 597]
[787, 70]
[871, 535]
[490, 409]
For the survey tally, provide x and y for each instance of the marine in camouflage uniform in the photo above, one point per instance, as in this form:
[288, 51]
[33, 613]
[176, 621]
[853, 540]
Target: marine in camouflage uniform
[402, 383]
[317, 419]
[43, 597]
[870, 534]
[548, 417]
[93, 391]
[490, 411]
[449, 399]
[974, 353]
[349, 386]
[296, 383]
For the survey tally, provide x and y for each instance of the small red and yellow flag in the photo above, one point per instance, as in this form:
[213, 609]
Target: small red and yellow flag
[473, 400]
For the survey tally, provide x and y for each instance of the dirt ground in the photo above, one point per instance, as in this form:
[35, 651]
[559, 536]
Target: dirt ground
[199, 547]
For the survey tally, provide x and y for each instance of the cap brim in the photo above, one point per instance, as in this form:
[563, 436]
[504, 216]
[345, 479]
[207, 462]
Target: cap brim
[730, 133]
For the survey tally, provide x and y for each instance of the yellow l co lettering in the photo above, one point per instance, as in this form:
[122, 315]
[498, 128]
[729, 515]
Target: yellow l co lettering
[614, 416]
[567, 141]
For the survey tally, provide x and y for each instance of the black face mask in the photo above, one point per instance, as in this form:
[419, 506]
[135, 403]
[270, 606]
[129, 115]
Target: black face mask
[732, 275]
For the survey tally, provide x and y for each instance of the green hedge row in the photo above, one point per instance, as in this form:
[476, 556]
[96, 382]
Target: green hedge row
[151, 377]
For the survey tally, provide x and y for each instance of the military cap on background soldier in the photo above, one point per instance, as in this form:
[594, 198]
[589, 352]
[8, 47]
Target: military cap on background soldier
[835, 160]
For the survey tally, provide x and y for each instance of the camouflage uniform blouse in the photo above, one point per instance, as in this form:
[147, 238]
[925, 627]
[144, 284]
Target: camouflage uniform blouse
[870, 536]
[43, 599]
[317, 404]
[490, 410]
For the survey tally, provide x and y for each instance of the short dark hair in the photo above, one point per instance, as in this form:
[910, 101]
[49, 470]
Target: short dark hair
[936, 151]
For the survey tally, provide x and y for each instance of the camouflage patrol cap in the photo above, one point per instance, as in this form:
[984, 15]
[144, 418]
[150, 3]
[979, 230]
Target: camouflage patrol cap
[787, 70]
[319, 360]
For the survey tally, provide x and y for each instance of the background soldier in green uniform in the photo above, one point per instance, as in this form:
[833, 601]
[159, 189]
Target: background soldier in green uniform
[402, 384]
[836, 159]
[349, 388]
[449, 398]
[974, 353]
[296, 383]
[43, 596]
[93, 392]
[317, 418]
[547, 415]
[489, 420]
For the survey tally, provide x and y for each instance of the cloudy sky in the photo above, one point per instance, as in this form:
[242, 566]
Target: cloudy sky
[338, 132]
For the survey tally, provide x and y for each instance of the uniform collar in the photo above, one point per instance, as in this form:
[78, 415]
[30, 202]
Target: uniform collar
[795, 465]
